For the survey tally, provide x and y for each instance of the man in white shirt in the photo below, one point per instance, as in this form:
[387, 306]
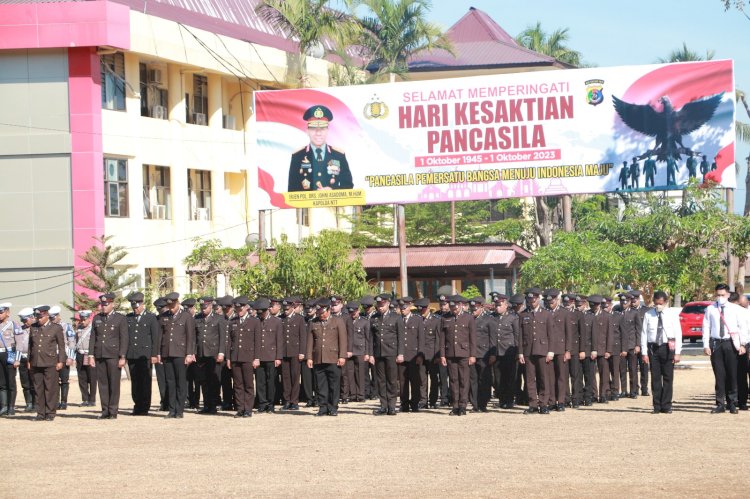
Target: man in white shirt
[743, 363]
[661, 344]
[724, 339]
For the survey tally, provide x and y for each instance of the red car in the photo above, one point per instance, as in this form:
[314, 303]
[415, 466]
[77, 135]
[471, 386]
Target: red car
[691, 320]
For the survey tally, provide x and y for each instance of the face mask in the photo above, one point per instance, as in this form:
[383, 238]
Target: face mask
[722, 300]
[660, 308]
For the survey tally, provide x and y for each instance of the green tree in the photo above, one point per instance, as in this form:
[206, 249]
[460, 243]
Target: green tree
[740, 5]
[394, 30]
[319, 265]
[104, 274]
[684, 54]
[210, 260]
[552, 44]
[310, 23]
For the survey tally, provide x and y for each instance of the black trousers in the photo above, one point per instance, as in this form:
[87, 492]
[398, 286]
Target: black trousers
[347, 373]
[589, 378]
[603, 370]
[140, 384]
[210, 382]
[505, 375]
[629, 371]
[643, 368]
[386, 372]
[614, 373]
[328, 377]
[108, 376]
[436, 375]
[459, 372]
[290, 376]
[574, 392]
[46, 387]
[558, 376]
[371, 390]
[175, 372]
[724, 364]
[193, 375]
[7, 380]
[358, 377]
[308, 382]
[743, 370]
[410, 383]
[244, 396]
[161, 382]
[27, 384]
[64, 376]
[265, 380]
[227, 392]
[662, 375]
[480, 379]
[86, 380]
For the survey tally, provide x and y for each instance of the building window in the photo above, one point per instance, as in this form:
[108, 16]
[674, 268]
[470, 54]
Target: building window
[157, 199]
[198, 115]
[112, 68]
[303, 217]
[116, 187]
[160, 279]
[199, 194]
[153, 92]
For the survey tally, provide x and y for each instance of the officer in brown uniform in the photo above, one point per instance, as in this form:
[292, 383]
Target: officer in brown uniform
[561, 341]
[574, 389]
[242, 341]
[360, 343]
[410, 363]
[387, 329]
[143, 350]
[535, 353]
[614, 359]
[326, 354]
[109, 345]
[226, 303]
[210, 339]
[46, 359]
[602, 343]
[480, 375]
[177, 352]
[293, 348]
[308, 378]
[269, 352]
[160, 304]
[458, 351]
[430, 370]
[631, 333]
[507, 337]
[637, 305]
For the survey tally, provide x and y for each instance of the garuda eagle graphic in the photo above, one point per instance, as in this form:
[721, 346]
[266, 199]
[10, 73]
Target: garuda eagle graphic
[669, 125]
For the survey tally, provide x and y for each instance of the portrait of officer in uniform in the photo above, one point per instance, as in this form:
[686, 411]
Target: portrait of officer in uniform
[318, 166]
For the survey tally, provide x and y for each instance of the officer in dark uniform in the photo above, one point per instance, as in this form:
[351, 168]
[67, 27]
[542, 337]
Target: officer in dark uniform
[602, 343]
[507, 334]
[318, 166]
[177, 352]
[617, 351]
[194, 373]
[269, 352]
[308, 379]
[360, 342]
[387, 329]
[144, 338]
[561, 341]
[211, 339]
[641, 309]
[535, 352]
[109, 345]
[242, 356]
[160, 304]
[326, 355]
[410, 363]
[371, 385]
[480, 375]
[430, 371]
[631, 334]
[46, 359]
[517, 304]
[226, 303]
[574, 389]
[458, 351]
[294, 346]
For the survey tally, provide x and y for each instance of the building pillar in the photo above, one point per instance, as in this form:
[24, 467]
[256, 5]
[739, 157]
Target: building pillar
[215, 110]
[176, 98]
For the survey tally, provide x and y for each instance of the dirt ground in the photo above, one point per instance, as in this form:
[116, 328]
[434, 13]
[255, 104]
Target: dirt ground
[619, 449]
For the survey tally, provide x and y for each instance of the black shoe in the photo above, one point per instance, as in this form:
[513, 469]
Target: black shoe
[743, 407]
[247, 414]
[240, 414]
[293, 407]
[667, 411]
[615, 397]
[603, 400]
[171, 415]
[103, 416]
[39, 417]
[391, 412]
[483, 409]
[455, 412]
[333, 413]
[474, 409]
[207, 410]
[29, 408]
[50, 418]
[380, 412]
[587, 403]
[113, 416]
[321, 412]
[312, 403]
[344, 401]
[560, 407]
[544, 410]
[531, 410]
[733, 410]
[576, 405]
[403, 408]
[644, 393]
[285, 407]
[433, 406]
[634, 395]
[656, 411]
[718, 409]
[462, 411]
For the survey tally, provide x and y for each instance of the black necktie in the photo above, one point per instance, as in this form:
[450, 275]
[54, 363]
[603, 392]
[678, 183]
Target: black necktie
[659, 331]
[721, 323]
[319, 154]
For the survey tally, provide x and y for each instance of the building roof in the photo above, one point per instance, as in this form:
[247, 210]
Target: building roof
[500, 255]
[479, 43]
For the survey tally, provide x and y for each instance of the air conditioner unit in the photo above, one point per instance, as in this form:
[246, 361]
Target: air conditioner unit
[159, 212]
[201, 214]
[159, 112]
[154, 76]
[230, 122]
[200, 119]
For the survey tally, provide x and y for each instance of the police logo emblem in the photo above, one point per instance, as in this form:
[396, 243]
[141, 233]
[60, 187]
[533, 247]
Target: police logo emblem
[594, 92]
[376, 109]
[318, 113]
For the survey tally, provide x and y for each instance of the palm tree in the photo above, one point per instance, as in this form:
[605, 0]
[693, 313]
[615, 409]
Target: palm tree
[309, 22]
[684, 54]
[553, 45]
[394, 30]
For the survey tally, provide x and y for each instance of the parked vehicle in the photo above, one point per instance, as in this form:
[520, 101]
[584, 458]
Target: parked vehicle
[691, 320]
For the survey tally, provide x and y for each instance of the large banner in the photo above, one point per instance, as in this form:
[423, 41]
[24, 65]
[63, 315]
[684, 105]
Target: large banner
[592, 130]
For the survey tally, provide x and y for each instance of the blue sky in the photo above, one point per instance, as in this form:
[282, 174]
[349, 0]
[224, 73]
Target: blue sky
[631, 32]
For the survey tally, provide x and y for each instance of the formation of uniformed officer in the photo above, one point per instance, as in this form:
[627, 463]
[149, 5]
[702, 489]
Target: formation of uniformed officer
[210, 339]
[326, 355]
[46, 359]
[144, 339]
[387, 329]
[293, 348]
[243, 358]
[458, 351]
[109, 345]
[177, 352]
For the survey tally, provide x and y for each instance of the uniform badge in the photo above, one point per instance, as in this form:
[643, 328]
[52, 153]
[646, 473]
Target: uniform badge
[334, 167]
[305, 160]
[305, 184]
